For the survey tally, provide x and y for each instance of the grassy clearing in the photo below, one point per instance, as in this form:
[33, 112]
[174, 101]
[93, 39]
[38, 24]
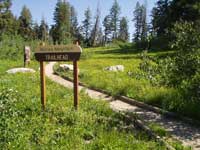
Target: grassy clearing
[24, 126]
[129, 83]
[133, 82]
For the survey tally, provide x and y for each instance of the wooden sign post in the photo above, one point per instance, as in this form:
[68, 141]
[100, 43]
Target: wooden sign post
[27, 55]
[58, 53]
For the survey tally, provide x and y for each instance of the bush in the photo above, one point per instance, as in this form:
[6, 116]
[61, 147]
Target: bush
[12, 46]
[182, 71]
[160, 43]
[192, 88]
[8, 111]
[187, 61]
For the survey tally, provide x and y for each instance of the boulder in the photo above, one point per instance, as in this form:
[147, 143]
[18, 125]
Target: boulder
[115, 68]
[66, 67]
[22, 70]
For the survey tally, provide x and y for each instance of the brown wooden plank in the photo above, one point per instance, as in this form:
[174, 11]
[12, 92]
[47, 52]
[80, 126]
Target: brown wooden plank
[43, 84]
[59, 48]
[76, 98]
[57, 56]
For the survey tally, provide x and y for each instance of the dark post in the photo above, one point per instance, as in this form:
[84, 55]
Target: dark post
[76, 102]
[43, 84]
[27, 55]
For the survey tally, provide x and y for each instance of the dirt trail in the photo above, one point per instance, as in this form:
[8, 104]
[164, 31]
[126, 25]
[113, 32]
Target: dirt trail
[187, 134]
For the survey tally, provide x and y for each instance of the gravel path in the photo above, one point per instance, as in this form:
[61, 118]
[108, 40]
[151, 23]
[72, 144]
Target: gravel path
[189, 135]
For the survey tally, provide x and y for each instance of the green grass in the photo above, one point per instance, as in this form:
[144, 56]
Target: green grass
[134, 85]
[23, 125]
[160, 131]
[133, 82]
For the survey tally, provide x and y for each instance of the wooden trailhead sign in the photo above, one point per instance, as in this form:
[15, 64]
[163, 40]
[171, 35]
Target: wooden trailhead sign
[58, 53]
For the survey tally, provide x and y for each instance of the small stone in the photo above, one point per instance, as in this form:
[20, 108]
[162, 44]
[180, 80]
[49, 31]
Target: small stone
[67, 67]
[130, 73]
[115, 68]
[21, 70]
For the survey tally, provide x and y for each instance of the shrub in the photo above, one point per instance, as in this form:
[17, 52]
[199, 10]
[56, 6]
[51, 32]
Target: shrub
[192, 88]
[8, 111]
[148, 68]
[160, 43]
[187, 61]
[12, 46]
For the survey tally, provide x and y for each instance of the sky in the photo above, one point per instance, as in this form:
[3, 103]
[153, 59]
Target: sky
[45, 8]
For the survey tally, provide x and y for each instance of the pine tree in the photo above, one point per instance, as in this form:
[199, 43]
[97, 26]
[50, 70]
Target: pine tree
[95, 30]
[123, 32]
[140, 23]
[61, 30]
[74, 30]
[100, 37]
[86, 28]
[114, 15]
[144, 22]
[8, 23]
[167, 13]
[36, 31]
[161, 19]
[107, 28]
[25, 21]
[52, 34]
[43, 31]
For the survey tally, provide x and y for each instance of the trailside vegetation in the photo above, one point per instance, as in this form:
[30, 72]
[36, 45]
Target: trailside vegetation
[24, 126]
[161, 61]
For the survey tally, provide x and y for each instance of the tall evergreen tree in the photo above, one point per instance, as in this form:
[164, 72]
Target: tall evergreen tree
[123, 32]
[107, 28]
[167, 13]
[87, 27]
[25, 21]
[96, 28]
[144, 21]
[100, 37]
[43, 31]
[184, 10]
[8, 23]
[61, 30]
[114, 15]
[160, 15]
[140, 22]
[36, 31]
[74, 24]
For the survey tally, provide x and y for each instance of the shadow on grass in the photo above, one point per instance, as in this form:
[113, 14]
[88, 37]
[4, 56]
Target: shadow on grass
[118, 57]
[118, 51]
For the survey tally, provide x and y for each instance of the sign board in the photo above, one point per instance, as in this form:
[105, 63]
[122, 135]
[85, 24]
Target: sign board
[58, 53]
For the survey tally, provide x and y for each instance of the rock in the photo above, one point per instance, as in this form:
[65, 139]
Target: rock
[67, 67]
[115, 68]
[130, 73]
[22, 70]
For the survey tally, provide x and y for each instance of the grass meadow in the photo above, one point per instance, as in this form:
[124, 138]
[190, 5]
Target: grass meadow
[133, 82]
[23, 125]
